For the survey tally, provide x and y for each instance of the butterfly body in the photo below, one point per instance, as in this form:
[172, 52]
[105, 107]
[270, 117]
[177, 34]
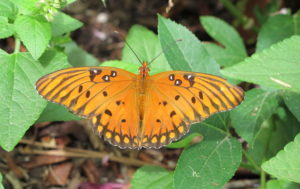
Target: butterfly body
[138, 110]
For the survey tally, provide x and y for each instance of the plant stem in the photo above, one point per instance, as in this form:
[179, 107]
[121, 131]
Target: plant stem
[257, 168]
[17, 45]
[245, 21]
[262, 179]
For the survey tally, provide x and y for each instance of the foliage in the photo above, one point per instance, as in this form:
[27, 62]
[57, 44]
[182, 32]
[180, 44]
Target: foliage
[268, 119]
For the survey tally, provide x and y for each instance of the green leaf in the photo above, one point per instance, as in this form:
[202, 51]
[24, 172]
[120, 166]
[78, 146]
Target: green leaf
[63, 23]
[282, 184]
[79, 57]
[151, 177]
[6, 29]
[188, 54]
[285, 165]
[291, 99]
[274, 134]
[277, 28]
[184, 142]
[20, 105]
[210, 163]
[147, 47]
[257, 107]
[53, 61]
[34, 32]
[27, 7]
[56, 112]
[8, 9]
[276, 67]
[234, 50]
[1, 185]
[134, 68]
[262, 14]
[218, 121]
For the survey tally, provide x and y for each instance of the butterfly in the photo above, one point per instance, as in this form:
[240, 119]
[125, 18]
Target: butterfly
[138, 110]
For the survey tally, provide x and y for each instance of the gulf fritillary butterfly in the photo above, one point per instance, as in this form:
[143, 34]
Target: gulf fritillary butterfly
[138, 110]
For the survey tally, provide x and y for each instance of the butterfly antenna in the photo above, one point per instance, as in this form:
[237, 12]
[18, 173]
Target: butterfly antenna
[141, 62]
[161, 52]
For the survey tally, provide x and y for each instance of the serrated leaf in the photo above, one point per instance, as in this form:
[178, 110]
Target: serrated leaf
[152, 177]
[6, 29]
[281, 184]
[79, 57]
[277, 67]
[8, 9]
[210, 163]
[34, 32]
[234, 50]
[285, 165]
[257, 107]
[146, 45]
[291, 99]
[281, 27]
[20, 105]
[54, 61]
[188, 54]
[63, 23]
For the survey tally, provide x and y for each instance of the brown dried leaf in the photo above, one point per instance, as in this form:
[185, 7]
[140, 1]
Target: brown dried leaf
[58, 175]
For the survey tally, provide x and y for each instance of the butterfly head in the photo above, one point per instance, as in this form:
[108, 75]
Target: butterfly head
[144, 69]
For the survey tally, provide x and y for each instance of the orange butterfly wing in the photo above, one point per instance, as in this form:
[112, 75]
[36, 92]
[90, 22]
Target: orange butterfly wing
[105, 95]
[176, 99]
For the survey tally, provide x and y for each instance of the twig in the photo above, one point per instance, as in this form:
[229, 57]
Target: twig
[80, 153]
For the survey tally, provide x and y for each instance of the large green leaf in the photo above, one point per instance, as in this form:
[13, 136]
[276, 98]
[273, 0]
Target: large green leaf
[277, 28]
[34, 32]
[234, 50]
[257, 107]
[151, 177]
[276, 67]
[146, 46]
[188, 54]
[282, 184]
[292, 101]
[210, 163]
[20, 105]
[8, 9]
[6, 29]
[285, 165]
[63, 23]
